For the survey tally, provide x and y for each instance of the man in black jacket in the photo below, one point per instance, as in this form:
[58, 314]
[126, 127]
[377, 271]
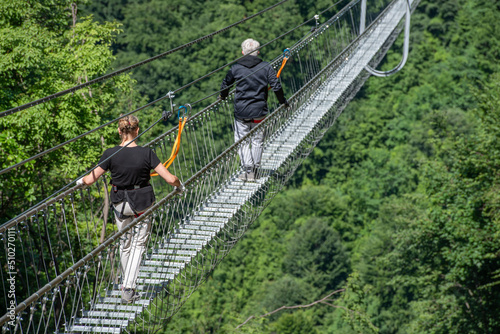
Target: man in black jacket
[252, 76]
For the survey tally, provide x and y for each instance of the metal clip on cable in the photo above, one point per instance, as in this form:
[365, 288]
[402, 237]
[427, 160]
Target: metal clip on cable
[316, 17]
[287, 53]
[171, 95]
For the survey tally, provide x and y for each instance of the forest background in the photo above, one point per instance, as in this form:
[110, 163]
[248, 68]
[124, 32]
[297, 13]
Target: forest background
[397, 207]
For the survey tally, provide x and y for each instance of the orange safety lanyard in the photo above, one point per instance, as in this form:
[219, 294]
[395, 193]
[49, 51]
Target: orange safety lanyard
[177, 145]
[282, 66]
[285, 58]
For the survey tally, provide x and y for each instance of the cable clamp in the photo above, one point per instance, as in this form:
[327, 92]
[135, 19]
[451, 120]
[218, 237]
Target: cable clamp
[171, 95]
[166, 115]
[316, 17]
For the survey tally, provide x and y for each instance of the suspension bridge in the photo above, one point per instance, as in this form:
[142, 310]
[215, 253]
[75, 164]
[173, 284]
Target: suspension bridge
[61, 272]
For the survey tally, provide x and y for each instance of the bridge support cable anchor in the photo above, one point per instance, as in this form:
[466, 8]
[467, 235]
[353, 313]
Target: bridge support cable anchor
[406, 45]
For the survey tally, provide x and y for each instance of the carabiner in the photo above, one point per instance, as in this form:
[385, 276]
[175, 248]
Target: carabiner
[286, 53]
[185, 110]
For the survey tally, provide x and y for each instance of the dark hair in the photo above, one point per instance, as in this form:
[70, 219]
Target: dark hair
[128, 125]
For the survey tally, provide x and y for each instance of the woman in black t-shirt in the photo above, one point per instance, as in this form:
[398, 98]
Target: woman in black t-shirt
[132, 194]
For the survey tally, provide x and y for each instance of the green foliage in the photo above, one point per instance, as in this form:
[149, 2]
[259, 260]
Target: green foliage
[354, 301]
[316, 255]
[286, 291]
[45, 49]
[295, 323]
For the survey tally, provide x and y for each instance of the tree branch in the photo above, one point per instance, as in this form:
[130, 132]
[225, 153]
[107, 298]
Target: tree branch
[322, 300]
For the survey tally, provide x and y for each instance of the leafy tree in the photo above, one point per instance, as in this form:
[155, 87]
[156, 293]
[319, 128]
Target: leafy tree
[457, 247]
[295, 323]
[317, 256]
[286, 291]
[46, 48]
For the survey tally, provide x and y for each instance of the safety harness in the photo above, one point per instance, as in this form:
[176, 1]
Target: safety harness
[127, 190]
[127, 199]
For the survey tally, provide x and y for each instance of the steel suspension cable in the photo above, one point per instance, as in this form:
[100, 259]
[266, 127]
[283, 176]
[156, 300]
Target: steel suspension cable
[126, 69]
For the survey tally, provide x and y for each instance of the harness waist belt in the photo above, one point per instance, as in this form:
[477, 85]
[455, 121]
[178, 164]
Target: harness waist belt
[131, 187]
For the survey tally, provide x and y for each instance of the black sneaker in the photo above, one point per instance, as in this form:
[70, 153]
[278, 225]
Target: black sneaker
[251, 176]
[243, 176]
[129, 296]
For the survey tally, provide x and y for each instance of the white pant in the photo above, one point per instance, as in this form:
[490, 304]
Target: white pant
[132, 244]
[250, 157]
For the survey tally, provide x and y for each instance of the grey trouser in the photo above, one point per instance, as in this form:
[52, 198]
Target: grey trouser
[250, 156]
[132, 244]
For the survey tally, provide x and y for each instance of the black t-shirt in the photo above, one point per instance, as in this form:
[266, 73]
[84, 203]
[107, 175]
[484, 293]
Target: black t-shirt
[130, 166]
